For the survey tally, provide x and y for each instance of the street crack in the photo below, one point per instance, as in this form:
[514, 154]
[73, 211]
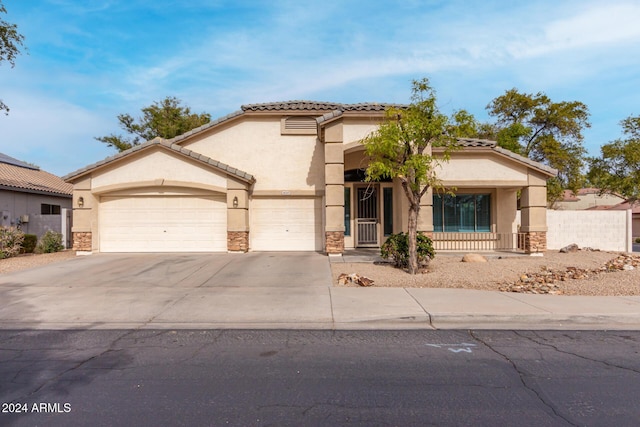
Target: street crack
[522, 377]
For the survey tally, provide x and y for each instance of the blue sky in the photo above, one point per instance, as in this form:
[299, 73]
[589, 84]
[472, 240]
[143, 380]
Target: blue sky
[90, 60]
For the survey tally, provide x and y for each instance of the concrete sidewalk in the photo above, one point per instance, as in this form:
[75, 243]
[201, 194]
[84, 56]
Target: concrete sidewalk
[317, 307]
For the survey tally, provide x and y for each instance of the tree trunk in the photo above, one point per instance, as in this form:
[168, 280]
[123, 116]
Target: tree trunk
[414, 210]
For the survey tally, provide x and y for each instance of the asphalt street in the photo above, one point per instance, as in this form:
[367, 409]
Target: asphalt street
[333, 378]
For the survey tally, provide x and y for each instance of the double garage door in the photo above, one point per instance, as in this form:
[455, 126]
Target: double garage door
[199, 224]
[163, 224]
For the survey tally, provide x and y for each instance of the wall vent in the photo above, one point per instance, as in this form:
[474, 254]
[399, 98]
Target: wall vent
[298, 125]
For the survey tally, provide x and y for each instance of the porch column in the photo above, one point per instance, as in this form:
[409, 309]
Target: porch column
[533, 205]
[425, 219]
[237, 216]
[334, 189]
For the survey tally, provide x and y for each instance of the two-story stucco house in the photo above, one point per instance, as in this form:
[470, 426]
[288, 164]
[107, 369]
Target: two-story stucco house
[289, 177]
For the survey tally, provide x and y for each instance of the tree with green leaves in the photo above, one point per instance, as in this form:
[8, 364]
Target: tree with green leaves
[617, 170]
[165, 119]
[465, 125]
[401, 148]
[10, 43]
[545, 131]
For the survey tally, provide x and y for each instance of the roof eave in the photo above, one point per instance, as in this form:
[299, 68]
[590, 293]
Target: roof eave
[53, 193]
[167, 145]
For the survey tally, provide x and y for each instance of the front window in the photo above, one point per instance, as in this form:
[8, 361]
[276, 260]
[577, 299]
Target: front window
[47, 209]
[462, 213]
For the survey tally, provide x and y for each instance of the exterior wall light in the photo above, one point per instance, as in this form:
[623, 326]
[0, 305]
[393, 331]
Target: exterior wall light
[81, 201]
[235, 202]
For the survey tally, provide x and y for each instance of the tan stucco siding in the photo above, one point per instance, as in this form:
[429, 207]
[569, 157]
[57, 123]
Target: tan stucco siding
[157, 167]
[278, 162]
[357, 130]
[483, 170]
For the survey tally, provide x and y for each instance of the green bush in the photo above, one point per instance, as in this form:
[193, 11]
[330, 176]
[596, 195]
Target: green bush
[637, 239]
[50, 242]
[396, 248]
[10, 241]
[29, 243]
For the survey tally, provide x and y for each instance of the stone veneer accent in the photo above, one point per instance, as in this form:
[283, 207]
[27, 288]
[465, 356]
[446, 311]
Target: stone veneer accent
[335, 242]
[238, 241]
[535, 241]
[82, 241]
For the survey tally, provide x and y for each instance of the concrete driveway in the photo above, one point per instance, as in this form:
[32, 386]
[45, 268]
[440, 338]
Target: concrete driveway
[133, 290]
[282, 269]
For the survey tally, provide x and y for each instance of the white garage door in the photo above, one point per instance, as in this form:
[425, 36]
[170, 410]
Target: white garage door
[163, 224]
[286, 224]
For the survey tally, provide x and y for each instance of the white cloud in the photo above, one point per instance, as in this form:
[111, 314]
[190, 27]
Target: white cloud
[55, 135]
[594, 29]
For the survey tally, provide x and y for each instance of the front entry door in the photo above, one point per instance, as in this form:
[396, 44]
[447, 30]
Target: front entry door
[367, 217]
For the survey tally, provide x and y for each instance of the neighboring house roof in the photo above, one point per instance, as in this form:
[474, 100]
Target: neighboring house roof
[244, 176]
[16, 175]
[635, 207]
[569, 196]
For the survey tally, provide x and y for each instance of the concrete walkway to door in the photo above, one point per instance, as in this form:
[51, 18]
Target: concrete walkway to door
[270, 290]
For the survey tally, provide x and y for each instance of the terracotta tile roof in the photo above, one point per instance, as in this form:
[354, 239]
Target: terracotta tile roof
[568, 196]
[19, 176]
[317, 106]
[169, 145]
[475, 142]
[635, 207]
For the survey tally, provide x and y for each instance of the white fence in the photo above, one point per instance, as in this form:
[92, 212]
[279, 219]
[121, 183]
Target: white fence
[604, 230]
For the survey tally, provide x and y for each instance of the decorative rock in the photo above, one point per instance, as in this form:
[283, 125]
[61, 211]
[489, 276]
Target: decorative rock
[545, 282]
[354, 278]
[570, 248]
[473, 258]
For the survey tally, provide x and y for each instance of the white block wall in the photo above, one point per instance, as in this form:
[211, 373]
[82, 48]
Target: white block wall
[604, 230]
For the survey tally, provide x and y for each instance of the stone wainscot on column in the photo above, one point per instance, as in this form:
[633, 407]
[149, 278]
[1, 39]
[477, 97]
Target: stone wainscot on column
[334, 188]
[533, 205]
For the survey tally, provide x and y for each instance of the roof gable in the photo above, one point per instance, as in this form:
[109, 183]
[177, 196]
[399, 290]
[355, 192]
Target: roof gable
[164, 144]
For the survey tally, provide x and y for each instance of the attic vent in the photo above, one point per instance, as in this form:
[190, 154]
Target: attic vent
[298, 125]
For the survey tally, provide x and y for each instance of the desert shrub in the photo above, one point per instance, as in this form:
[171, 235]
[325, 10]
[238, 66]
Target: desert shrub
[50, 242]
[29, 243]
[396, 248]
[10, 241]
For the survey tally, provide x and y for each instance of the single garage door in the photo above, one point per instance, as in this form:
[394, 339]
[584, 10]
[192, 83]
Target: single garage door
[163, 224]
[292, 224]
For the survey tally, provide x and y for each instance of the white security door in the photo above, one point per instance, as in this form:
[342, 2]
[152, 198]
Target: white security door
[291, 224]
[163, 224]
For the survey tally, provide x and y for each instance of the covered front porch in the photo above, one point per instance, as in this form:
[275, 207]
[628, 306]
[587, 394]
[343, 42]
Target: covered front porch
[486, 188]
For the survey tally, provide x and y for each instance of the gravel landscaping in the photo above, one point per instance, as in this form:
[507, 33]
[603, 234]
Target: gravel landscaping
[26, 261]
[508, 272]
